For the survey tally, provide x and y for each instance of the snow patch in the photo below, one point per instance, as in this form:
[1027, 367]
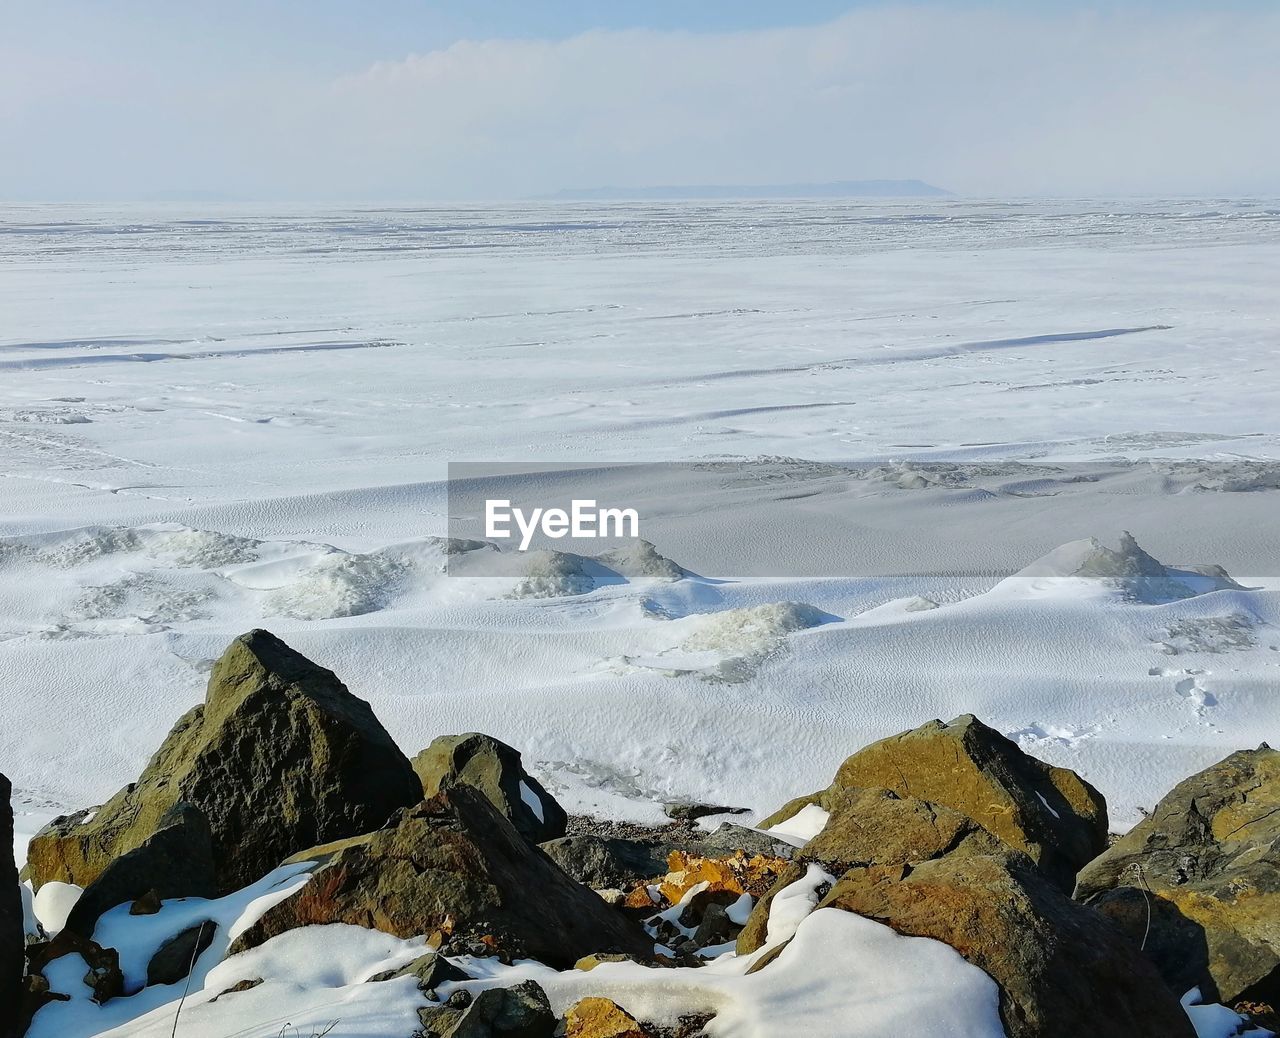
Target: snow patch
[802, 826]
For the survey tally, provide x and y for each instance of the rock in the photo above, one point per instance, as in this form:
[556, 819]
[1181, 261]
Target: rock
[148, 904]
[431, 969]
[1063, 969]
[752, 936]
[871, 827]
[1048, 813]
[589, 962]
[1207, 861]
[103, 978]
[173, 959]
[516, 1012]
[729, 838]
[600, 1018]
[174, 861]
[688, 811]
[494, 768]
[453, 863]
[12, 932]
[34, 996]
[715, 926]
[878, 826]
[240, 985]
[280, 756]
[603, 862]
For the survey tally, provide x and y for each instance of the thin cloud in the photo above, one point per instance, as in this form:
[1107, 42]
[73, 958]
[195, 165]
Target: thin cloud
[982, 101]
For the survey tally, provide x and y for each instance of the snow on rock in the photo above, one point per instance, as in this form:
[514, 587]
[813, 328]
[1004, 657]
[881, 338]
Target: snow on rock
[552, 574]
[53, 902]
[1127, 569]
[729, 644]
[801, 827]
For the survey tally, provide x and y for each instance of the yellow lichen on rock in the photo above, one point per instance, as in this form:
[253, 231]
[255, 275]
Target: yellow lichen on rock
[600, 1018]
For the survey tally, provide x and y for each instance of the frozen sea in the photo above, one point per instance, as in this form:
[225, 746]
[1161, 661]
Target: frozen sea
[224, 417]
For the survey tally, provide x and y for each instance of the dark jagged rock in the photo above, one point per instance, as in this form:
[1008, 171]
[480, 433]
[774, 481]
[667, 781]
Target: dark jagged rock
[103, 977]
[1048, 813]
[1205, 867]
[453, 864]
[522, 1011]
[175, 861]
[173, 959]
[280, 756]
[241, 985]
[1063, 970]
[12, 933]
[495, 769]
[689, 811]
[431, 969]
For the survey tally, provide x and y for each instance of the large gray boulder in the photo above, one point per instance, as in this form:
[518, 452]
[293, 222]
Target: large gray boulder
[1198, 881]
[12, 935]
[453, 866]
[495, 769]
[280, 756]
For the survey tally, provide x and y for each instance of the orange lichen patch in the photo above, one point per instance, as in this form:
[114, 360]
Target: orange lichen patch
[640, 898]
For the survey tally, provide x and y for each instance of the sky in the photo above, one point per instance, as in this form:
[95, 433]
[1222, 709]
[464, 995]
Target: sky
[507, 99]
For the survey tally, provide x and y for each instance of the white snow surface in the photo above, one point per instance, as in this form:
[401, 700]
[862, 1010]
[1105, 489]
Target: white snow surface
[236, 416]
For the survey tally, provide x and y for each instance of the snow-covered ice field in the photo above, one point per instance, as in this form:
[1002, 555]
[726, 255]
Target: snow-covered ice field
[240, 416]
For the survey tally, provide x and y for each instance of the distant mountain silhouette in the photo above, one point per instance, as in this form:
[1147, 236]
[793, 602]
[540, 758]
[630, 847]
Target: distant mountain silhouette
[838, 189]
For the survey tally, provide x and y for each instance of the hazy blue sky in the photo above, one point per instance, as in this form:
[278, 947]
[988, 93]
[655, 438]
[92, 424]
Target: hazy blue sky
[509, 98]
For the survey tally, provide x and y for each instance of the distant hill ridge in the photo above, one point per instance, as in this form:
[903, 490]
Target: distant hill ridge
[836, 189]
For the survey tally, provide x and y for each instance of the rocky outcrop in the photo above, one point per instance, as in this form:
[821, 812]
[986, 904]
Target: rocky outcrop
[1051, 814]
[951, 832]
[495, 769]
[1198, 881]
[12, 934]
[454, 866]
[280, 756]
[175, 861]
[1063, 970]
